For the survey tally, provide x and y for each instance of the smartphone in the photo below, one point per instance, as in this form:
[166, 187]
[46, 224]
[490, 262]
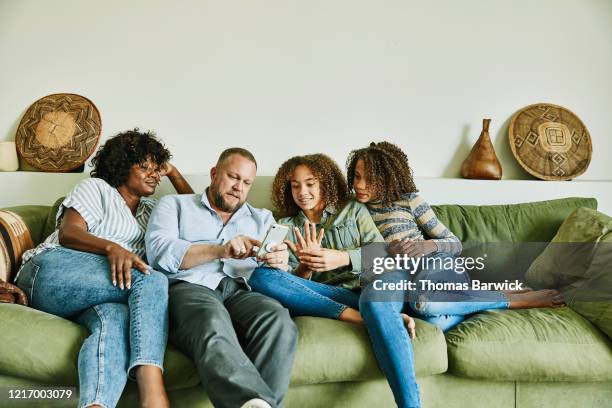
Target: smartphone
[276, 235]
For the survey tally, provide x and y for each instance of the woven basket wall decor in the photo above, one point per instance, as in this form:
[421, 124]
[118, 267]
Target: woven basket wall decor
[59, 132]
[550, 142]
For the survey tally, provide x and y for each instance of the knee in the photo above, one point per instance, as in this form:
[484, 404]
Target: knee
[112, 317]
[280, 323]
[158, 282]
[425, 307]
[262, 277]
[371, 309]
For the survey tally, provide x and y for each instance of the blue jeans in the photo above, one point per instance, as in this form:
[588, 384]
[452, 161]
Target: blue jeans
[448, 308]
[388, 335]
[128, 328]
[301, 296]
[392, 347]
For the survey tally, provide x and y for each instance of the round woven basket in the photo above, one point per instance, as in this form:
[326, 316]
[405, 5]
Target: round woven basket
[59, 132]
[550, 142]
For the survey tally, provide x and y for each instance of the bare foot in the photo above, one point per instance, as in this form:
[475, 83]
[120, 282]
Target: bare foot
[537, 298]
[410, 325]
[512, 292]
[151, 387]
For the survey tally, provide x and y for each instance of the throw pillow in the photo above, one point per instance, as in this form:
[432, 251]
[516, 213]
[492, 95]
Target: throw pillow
[15, 239]
[578, 263]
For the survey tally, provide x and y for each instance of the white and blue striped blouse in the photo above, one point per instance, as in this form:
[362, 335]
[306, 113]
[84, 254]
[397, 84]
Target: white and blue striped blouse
[107, 216]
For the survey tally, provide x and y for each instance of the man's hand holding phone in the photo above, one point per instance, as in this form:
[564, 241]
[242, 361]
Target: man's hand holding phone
[277, 257]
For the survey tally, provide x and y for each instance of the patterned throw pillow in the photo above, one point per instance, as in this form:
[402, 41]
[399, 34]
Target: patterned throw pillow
[15, 239]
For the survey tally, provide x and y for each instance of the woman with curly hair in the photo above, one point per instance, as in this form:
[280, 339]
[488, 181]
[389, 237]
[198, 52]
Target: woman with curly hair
[92, 269]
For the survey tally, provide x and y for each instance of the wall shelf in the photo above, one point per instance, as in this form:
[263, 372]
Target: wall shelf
[18, 188]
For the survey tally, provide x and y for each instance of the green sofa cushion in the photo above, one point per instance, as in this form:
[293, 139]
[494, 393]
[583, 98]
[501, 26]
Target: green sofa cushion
[45, 348]
[528, 222]
[529, 345]
[497, 230]
[329, 351]
[578, 261]
[332, 351]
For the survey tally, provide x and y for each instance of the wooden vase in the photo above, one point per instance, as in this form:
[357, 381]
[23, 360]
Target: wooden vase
[482, 162]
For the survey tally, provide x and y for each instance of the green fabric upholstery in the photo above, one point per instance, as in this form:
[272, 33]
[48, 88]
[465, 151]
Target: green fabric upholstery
[582, 272]
[331, 351]
[564, 395]
[529, 345]
[50, 222]
[493, 229]
[528, 222]
[442, 390]
[52, 357]
[523, 358]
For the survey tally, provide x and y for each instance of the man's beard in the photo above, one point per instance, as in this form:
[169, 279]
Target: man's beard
[224, 206]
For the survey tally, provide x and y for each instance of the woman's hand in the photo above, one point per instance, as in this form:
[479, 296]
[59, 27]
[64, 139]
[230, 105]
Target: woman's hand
[167, 169]
[121, 263]
[413, 249]
[323, 259]
[176, 178]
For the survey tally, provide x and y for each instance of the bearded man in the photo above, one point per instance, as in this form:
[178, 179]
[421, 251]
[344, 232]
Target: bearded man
[205, 244]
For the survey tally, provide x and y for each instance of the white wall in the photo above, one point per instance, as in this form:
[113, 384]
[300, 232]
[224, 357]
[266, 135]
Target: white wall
[284, 77]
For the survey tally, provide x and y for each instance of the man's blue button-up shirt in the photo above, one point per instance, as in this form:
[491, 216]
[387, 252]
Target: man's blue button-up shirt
[178, 221]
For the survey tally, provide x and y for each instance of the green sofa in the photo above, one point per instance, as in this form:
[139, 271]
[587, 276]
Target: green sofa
[518, 358]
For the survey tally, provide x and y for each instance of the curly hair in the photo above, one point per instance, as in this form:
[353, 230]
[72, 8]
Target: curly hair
[387, 171]
[114, 160]
[334, 189]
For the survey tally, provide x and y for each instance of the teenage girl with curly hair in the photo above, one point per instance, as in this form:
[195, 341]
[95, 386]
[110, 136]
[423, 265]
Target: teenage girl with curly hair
[382, 180]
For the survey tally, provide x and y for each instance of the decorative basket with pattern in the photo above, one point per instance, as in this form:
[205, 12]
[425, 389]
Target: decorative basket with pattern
[550, 142]
[59, 132]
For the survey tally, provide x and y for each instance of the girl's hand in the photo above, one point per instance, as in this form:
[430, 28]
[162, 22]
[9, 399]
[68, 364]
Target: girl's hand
[323, 259]
[413, 249]
[121, 263]
[309, 241]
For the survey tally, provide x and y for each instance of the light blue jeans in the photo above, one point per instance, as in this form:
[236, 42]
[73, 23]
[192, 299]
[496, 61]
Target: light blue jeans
[128, 327]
